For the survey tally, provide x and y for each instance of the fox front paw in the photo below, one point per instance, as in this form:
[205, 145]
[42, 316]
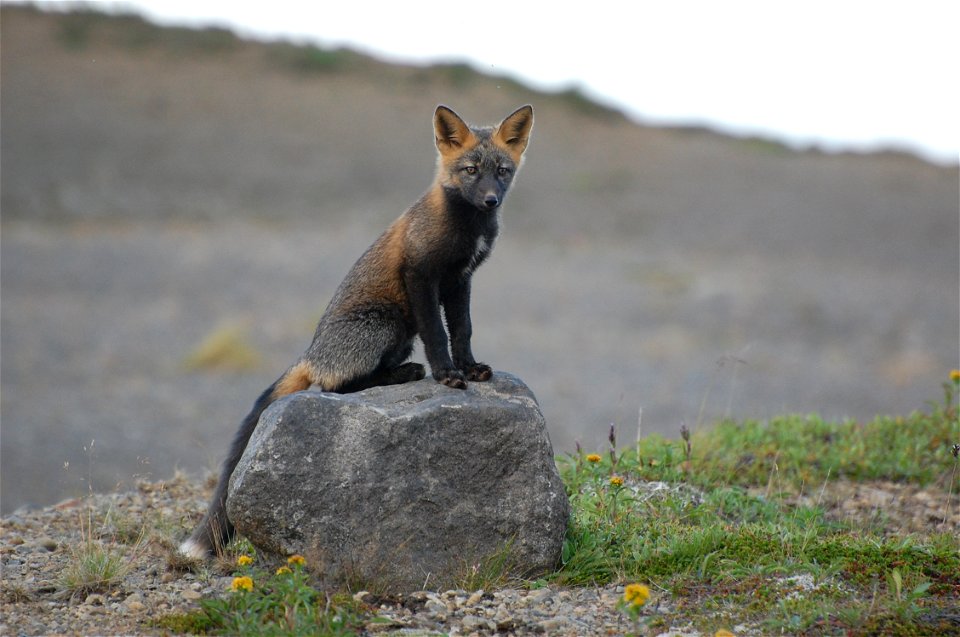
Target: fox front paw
[479, 372]
[451, 378]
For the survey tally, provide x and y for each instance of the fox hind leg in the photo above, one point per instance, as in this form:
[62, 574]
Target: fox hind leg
[392, 370]
[404, 373]
[365, 349]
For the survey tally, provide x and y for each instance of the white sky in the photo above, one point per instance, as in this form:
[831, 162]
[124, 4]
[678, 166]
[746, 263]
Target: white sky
[840, 73]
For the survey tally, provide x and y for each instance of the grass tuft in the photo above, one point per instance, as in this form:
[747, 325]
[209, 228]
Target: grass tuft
[226, 348]
[490, 572]
[95, 565]
[281, 602]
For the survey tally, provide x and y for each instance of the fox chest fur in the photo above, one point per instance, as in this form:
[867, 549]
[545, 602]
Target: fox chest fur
[450, 242]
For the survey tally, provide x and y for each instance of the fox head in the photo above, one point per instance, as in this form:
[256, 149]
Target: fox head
[478, 164]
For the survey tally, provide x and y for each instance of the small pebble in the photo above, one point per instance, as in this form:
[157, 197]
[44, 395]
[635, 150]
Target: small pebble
[474, 599]
[94, 600]
[48, 543]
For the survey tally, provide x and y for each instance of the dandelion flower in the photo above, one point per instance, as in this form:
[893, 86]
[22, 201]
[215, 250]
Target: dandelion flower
[955, 375]
[244, 583]
[616, 481]
[636, 595]
[244, 560]
[296, 560]
[284, 570]
[593, 457]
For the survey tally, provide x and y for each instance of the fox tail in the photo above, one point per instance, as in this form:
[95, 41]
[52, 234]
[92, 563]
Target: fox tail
[215, 529]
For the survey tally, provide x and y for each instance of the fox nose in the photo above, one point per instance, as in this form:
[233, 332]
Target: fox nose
[491, 201]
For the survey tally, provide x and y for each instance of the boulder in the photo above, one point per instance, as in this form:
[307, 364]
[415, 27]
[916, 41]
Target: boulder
[404, 487]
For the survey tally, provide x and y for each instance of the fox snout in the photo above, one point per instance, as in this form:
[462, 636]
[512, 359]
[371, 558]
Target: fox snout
[489, 191]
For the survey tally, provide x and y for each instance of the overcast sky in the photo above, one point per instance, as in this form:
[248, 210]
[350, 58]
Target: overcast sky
[839, 73]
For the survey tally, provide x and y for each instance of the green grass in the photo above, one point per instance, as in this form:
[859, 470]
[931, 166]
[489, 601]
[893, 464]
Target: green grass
[488, 572]
[576, 100]
[96, 565]
[712, 525]
[712, 521]
[312, 59]
[798, 450]
[93, 568]
[82, 26]
[263, 601]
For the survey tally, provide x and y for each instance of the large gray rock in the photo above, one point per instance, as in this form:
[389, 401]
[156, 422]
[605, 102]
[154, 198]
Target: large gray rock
[404, 487]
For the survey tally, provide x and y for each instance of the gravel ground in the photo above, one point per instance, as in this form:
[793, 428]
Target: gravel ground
[37, 546]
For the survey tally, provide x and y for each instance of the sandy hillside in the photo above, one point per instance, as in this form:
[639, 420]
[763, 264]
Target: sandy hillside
[162, 186]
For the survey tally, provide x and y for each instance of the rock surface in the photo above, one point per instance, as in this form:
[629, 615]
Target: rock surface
[404, 487]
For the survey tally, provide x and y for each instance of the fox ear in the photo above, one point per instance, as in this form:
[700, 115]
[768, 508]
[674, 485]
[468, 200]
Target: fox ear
[452, 133]
[514, 131]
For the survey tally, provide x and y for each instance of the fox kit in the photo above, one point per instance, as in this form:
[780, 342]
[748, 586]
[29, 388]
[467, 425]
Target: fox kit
[394, 292]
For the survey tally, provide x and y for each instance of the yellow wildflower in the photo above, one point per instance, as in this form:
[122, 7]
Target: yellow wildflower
[723, 633]
[244, 583]
[296, 560]
[284, 570]
[636, 595]
[616, 481]
[244, 560]
[593, 457]
[955, 375]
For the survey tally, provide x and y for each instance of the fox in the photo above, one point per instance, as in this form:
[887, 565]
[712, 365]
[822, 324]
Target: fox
[422, 264]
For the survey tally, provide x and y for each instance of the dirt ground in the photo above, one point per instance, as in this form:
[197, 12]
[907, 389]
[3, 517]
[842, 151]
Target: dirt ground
[38, 545]
[155, 195]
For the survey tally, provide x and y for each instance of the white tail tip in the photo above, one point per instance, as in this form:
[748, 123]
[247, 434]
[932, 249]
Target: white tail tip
[192, 550]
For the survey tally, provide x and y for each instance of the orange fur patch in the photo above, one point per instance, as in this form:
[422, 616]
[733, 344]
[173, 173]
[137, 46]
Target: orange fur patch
[436, 202]
[380, 274]
[390, 259]
[297, 378]
[393, 248]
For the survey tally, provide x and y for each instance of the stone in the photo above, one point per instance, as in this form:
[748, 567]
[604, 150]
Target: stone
[472, 622]
[475, 598]
[94, 599]
[406, 486]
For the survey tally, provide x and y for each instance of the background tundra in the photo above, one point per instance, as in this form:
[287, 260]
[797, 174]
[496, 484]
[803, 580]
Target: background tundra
[178, 207]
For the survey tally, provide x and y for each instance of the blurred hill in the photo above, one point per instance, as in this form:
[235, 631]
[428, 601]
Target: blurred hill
[164, 188]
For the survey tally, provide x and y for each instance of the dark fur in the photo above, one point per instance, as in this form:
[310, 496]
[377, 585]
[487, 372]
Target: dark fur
[395, 291]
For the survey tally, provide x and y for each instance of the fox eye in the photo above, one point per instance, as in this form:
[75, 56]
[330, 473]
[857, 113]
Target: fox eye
[503, 171]
[470, 170]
